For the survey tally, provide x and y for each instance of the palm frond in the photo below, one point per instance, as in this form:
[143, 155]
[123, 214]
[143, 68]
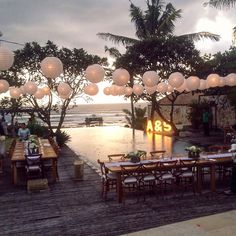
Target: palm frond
[138, 19]
[117, 39]
[114, 52]
[234, 36]
[201, 35]
[166, 21]
[221, 3]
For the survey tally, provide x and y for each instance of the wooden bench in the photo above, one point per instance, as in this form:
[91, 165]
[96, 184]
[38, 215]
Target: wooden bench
[35, 185]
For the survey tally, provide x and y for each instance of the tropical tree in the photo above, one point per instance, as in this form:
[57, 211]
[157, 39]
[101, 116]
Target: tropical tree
[27, 68]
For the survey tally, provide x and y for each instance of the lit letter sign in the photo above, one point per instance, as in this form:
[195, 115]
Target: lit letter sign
[159, 127]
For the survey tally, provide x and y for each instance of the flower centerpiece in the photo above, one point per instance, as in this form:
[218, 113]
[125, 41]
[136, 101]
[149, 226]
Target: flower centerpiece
[33, 146]
[136, 155]
[193, 151]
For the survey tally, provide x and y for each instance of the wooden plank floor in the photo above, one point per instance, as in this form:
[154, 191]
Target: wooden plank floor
[75, 207]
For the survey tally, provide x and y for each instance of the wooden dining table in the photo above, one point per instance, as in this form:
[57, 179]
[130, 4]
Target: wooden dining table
[45, 148]
[206, 160]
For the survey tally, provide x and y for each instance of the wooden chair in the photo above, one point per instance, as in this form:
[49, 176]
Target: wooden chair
[109, 180]
[116, 157]
[130, 179]
[186, 175]
[34, 168]
[157, 154]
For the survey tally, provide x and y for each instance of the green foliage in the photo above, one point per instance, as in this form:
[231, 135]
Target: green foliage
[139, 118]
[62, 138]
[39, 130]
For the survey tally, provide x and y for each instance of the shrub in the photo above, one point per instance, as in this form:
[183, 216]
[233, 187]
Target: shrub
[62, 138]
[39, 130]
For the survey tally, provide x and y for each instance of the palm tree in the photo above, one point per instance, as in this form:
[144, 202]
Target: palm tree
[157, 21]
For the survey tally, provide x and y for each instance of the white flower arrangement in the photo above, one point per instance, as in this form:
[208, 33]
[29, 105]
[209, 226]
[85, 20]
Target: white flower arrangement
[2, 138]
[193, 149]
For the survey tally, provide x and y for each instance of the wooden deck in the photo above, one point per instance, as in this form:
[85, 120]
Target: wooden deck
[75, 207]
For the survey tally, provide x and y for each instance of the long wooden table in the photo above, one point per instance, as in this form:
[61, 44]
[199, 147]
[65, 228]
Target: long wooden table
[210, 161]
[46, 150]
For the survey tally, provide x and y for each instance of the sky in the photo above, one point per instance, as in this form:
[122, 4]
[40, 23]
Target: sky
[75, 23]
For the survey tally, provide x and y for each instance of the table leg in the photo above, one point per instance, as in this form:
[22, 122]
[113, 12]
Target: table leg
[14, 169]
[213, 178]
[199, 179]
[54, 170]
[119, 188]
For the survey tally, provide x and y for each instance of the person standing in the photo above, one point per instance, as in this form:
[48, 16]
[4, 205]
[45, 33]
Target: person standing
[205, 121]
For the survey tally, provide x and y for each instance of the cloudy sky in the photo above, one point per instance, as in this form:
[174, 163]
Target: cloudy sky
[75, 23]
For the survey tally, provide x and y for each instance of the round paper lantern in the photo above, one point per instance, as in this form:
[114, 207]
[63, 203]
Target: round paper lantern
[222, 82]
[113, 90]
[162, 87]
[94, 73]
[107, 91]
[66, 96]
[6, 58]
[4, 86]
[231, 79]
[120, 90]
[170, 89]
[46, 90]
[15, 92]
[151, 90]
[176, 79]
[203, 84]
[51, 67]
[138, 89]
[128, 91]
[39, 94]
[22, 89]
[213, 80]
[30, 87]
[91, 89]
[150, 78]
[120, 77]
[192, 83]
[63, 88]
[182, 87]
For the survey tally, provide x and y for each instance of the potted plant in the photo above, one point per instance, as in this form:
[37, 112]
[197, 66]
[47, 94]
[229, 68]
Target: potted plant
[193, 152]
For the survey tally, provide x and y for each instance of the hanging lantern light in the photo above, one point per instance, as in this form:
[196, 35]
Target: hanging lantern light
[66, 96]
[4, 86]
[128, 91]
[120, 77]
[94, 73]
[151, 90]
[39, 94]
[22, 89]
[113, 90]
[6, 58]
[192, 83]
[170, 89]
[162, 87]
[138, 89]
[231, 79]
[91, 89]
[213, 80]
[46, 90]
[15, 92]
[150, 78]
[107, 91]
[30, 87]
[51, 67]
[182, 87]
[222, 82]
[63, 88]
[203, 84]
[176, 79]
[120, 90]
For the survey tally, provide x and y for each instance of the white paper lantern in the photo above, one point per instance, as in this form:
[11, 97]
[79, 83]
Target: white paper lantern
[128, 91]
[39, 94]
[6, 58]
[91, 89]
[222, 82]
[4, 86]
[150, 90]
[120, 90]
[22, 89]
[170, 89]
[231, 79]
[138, 89]
[113, 89]
[192, 83]
[121, 77]
[176, 79]
[182, 87]
[203, 84]
[162, 87]
[63, 89]
[94, 73]
[150, 78]
[30, 87]
[15, 92]
[107, 91]
[213, 80]
[51, 67]
[66, 96]
[46, 90]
